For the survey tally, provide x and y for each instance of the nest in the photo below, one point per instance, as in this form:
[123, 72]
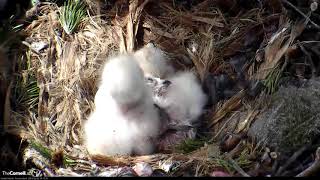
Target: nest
[204, 37]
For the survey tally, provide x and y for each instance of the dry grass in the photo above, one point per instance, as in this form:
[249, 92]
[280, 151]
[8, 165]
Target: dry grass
[67, 71]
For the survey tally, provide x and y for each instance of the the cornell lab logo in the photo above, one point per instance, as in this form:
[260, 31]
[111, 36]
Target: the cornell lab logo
[35, 173]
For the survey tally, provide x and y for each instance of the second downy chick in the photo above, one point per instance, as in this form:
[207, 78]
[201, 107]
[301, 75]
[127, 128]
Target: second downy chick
[181, 96]
[183, 100]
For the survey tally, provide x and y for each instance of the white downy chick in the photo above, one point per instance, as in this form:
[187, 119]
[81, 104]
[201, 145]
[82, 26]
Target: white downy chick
[181, 96]
[125, 120]
[183, 99]
[153, 62]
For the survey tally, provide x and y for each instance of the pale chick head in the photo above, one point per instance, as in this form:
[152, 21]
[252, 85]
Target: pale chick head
[184, 98]
[153, 61]
[158, 86]
[123, 79]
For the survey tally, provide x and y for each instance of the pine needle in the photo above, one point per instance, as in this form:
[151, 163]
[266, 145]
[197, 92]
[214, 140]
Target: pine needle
[71, 14]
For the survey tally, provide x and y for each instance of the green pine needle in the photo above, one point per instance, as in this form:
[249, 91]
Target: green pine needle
[190, 145]
[272, 81]
[71, 14]
[26, 89]
[47, 153]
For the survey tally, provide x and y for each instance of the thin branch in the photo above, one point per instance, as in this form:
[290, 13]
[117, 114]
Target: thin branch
[314, 168]
[293, 158]
[302, 14]
[237, 167]
[312, 65]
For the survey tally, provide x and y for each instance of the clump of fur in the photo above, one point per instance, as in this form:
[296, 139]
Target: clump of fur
[153, 62]
[125, 120]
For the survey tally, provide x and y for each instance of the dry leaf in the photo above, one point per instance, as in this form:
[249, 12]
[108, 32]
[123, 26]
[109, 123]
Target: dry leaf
[278, 47]
[233, 103]
[244, 124]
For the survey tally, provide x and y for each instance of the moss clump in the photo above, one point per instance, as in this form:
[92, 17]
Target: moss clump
[293, 119]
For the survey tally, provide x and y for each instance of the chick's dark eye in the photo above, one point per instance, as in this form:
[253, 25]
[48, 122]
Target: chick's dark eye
[166, 83]
[149, 79]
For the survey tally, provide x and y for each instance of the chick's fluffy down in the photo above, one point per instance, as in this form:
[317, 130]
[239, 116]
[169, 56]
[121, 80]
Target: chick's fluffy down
[109, 131]
[153, 61]
[184, 99]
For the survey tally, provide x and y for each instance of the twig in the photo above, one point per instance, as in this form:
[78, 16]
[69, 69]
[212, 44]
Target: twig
[291, 160]
[317, 52]
[294, 171]
[275, 165]
[37, 160]
[233, 103]
[313, 68]
[29, 46]
[301, 13]
[237, 150]
[223, 127]
[237, 167]
[314, 168]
